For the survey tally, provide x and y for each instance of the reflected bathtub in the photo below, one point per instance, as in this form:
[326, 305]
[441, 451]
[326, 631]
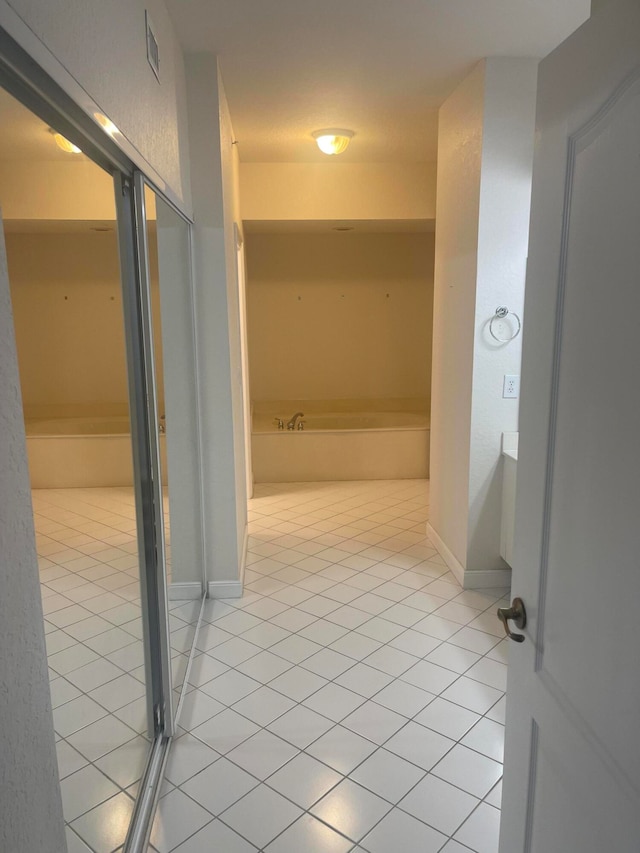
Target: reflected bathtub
[374, 445]
[81, 452]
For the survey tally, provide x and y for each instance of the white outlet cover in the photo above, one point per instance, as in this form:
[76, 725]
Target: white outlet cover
[511, 386]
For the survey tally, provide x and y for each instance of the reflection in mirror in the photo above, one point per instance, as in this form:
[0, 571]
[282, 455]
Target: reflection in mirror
[68, 315]
[168, 238]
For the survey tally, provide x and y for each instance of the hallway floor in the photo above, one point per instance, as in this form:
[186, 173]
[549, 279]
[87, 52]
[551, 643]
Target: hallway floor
[351, 700]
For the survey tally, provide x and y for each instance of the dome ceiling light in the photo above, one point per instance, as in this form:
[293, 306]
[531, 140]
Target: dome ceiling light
[63, 143]
[333, 140]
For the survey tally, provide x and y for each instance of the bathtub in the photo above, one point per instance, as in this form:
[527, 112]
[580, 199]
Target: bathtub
[384, 445]
[81, 452]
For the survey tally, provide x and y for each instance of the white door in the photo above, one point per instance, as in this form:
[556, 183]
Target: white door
[572, 765]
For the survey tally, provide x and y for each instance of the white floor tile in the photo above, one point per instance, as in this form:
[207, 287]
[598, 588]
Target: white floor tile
[334, 701]
[439, 804]
[364, 680]
[469, 770]
[392, 661]
[401, 831]
[219, 786]
[481, 831]
[73, 715]
[264, 666]
[262, 754]
[355, 645]
[84, 790]
[298, 683]
[69, 759]
[225, 731]
[301, 726]
[263, 705]
[351, 809]
[387, 775]
[304, 780]
[486, 737]
[374, 722]
[230, 687]
[448, 719]
[177, 817]
[419, 745]
[105, 827]
[101, 737]
[403, 698]
[311, 836]
[471, 694]
[341, 749]
[261, 815]
[215, 836]
[187, 757]
[295, 648]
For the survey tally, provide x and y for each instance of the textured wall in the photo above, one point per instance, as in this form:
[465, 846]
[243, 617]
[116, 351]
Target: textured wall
[69, 325]
[486, 135]
[30, 805]
[335, 190]
[340, 316]
[216, 300]
[102, 47]
[459, 165]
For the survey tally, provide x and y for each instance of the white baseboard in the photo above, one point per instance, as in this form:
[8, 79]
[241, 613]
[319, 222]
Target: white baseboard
[231, 589]
[224, 589]
[487, 579]
[243, 559]
[447, 555]
[185, 591]
[468, 579]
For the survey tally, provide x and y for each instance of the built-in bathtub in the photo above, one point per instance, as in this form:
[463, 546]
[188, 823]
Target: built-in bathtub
[371, 445]
[81, 452]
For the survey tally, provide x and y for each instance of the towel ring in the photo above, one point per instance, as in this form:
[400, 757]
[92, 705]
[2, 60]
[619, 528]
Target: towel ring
[502, 312]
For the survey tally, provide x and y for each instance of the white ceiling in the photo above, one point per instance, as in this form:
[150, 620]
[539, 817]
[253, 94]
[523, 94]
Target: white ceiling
[348, 226]
[378, 67]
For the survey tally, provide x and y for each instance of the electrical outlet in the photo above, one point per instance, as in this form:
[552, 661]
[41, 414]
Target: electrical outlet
[511, 386]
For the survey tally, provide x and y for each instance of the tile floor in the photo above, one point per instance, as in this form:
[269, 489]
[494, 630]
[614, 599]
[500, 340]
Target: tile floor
[88, 560]
[351, 700]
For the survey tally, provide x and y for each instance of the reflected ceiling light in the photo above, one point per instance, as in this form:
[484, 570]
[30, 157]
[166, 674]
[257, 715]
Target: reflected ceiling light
[106, 124]
[63, 143]
[333, 140]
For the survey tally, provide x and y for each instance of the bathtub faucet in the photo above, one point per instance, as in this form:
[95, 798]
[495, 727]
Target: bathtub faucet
[292, 423]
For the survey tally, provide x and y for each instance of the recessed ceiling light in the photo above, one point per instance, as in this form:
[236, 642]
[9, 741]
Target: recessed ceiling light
[342, 228]
[332, 140]
[63, 143]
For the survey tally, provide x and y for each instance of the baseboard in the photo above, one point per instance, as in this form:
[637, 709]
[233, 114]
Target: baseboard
[487, 579]
[468, 579]
[456, 567]
[185, 591]
[243, 560]
[231, 589]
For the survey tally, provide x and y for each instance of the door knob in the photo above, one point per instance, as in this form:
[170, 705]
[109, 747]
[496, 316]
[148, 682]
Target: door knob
[517, 614]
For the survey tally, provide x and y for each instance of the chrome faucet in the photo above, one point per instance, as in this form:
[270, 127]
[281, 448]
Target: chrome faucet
[292, 423]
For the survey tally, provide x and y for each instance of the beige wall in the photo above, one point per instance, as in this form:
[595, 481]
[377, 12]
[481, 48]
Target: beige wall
[75, 42]
[331, 190]
[485, 151]
[65, 290]
[339, 315]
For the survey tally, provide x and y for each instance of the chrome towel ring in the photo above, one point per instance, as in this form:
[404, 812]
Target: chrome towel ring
[502, 312]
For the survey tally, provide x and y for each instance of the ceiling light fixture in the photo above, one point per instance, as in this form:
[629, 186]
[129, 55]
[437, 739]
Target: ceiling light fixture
[333, 140]
[106, 124]
[63, 143]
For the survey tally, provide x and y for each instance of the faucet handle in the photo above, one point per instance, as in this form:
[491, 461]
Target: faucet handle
[301, 425]
[280, 422]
